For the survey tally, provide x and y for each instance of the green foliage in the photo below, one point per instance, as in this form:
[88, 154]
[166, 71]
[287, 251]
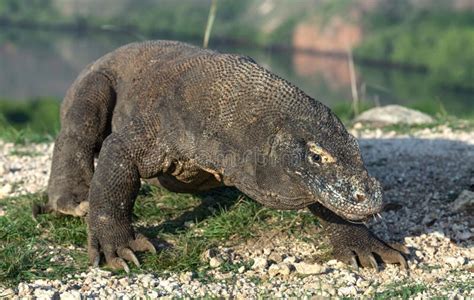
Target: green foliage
[283, 34]
[389, 13]
[345, 112]
[401, 290]
[188, 19]
[434, 36]
[450, 62]
[332, 8]
[31, 250]
[36, 120]
[28, 10]
[437, 42]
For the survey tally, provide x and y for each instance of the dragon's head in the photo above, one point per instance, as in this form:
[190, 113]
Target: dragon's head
[314, 158]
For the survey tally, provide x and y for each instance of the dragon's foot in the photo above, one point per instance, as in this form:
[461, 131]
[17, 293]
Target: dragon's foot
[117, 249]
[356, 245]
[77, 210]
[69, 206]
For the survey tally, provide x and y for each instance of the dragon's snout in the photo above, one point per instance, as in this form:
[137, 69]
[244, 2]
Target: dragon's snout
[356, 199]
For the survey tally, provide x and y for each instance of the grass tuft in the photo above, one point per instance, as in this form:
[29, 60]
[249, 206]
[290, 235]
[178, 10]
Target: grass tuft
[31, 250]
[401, 290]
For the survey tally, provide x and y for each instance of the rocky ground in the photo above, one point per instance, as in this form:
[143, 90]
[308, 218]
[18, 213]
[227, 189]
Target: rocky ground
[428, 178]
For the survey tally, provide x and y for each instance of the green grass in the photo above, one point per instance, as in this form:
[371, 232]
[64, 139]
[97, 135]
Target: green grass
[29, 121]
[25, 245]
[22, 152]
[55, 246]
[23, 136]
[401, 290]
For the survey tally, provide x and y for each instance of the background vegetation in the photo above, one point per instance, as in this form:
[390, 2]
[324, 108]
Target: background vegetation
[433, 37]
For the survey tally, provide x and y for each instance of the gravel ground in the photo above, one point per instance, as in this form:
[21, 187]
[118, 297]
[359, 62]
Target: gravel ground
[423, 174]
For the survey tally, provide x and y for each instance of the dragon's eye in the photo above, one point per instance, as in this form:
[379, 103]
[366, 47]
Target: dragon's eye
[317, 155]
[314, 158]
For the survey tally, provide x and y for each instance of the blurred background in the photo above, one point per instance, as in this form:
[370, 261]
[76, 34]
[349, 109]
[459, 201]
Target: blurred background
[417, 53]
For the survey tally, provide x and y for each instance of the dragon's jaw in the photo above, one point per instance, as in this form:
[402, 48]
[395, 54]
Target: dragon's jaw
[353, 212]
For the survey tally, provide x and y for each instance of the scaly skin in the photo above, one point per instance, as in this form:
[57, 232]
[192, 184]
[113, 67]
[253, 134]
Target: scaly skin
[193, 119]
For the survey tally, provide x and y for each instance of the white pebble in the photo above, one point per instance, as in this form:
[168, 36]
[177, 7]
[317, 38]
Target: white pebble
[308, 269]
[259, 263]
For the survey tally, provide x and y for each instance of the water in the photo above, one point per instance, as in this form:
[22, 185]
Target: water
[41, 63]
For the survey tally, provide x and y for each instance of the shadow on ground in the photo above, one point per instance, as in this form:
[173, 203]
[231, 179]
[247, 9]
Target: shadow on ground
[421, 179]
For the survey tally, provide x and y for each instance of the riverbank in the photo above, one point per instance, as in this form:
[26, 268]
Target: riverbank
[427, 36]
[229, 246]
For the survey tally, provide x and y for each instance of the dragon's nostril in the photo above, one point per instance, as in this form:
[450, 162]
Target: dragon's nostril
[360, 197]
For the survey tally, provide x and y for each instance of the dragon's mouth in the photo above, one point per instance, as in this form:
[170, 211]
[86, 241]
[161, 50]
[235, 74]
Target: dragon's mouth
[352, 216]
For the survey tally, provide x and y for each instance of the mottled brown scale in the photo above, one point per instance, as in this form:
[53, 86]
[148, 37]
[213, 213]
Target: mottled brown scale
[189, 120]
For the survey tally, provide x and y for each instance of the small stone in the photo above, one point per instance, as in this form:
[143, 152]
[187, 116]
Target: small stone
[186, 277]
[146, 280]
[241, 269]
[208, 254]
[45, 294]
[463, 236]
[308, 269]
[7, 293]
[215, 262]
[124, 282]
[393, 114]
[369, 291]
[429, 219]
[438, 235]
[290, 259]
[23, 289]
[14, 167]
[259, 263]
[189, 224]
[347, 290]
[273, 270]
[275, 257]
[152, 294]
[454, 261]
[71, 295]
[282, 269]
[331, 291]
[332, 262]
[464, 202]
[5, 190]
[350, 278]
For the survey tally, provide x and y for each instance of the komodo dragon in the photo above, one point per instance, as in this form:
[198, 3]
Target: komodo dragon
[190, 120]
